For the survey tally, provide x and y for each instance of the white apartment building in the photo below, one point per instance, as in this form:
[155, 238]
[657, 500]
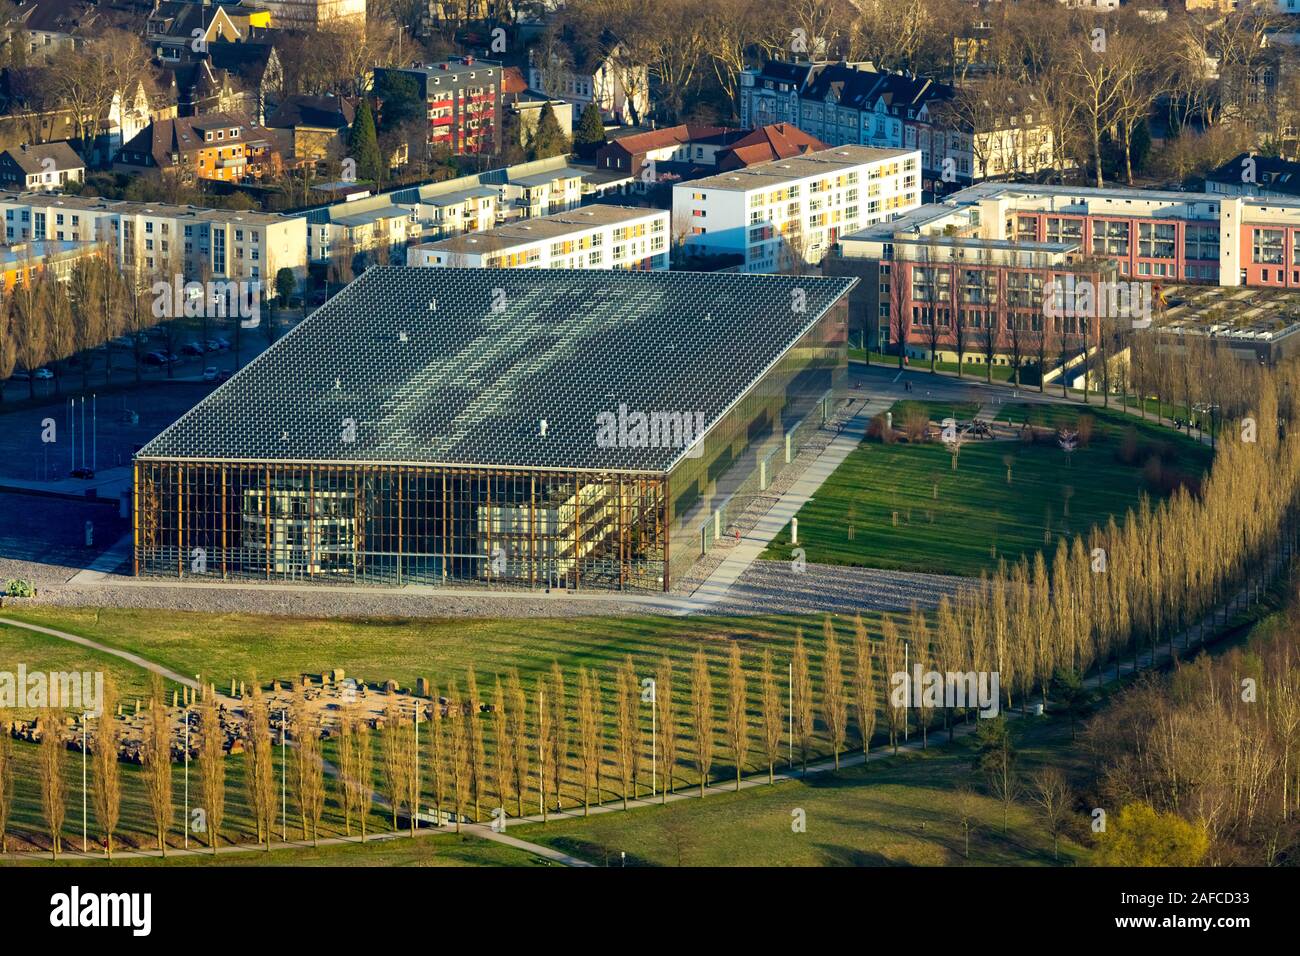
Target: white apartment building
[160, 240]
[593, 237]
[780, 215]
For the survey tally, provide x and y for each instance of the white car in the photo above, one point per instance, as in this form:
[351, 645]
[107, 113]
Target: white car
[210, 373]
[42, 373]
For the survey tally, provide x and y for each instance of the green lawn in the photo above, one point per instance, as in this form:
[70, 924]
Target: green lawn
[442, 850]
[1001, 373]
[903, 507]
[376, 650]
[896, 812]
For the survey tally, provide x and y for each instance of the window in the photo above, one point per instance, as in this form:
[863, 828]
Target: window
[1267, 247]
[1110, 238]
[1201, 242]
[1156, 240]
[1064, 230]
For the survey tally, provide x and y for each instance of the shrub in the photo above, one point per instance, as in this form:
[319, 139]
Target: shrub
[17, 587]
[916, 423]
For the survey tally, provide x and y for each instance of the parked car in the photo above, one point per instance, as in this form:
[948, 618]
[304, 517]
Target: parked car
[122, 342]
[222, 343]
[191, 348]
[210, 373]
[42, 373]
[224, 376]
[155, 358]
[20, 375]
[211, 346]
[86, 473]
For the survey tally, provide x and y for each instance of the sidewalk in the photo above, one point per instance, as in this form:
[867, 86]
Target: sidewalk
[753, 542]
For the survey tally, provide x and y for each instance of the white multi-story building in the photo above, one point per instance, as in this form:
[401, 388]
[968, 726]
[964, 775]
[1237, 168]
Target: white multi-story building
[593, 237]
[781, 215]
[157, 240]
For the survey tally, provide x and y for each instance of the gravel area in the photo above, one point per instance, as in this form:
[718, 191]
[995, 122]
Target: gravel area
[769, 587]
[334, 602]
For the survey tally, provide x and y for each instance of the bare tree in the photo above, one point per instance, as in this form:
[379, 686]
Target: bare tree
[625, 706]
[588, 737]
[461, 745]
[6, 786]
[864, 690]
[518, 721]
[477, 753]
[503, 754]
[773, 723]
[1051, 794]
[702, 716]
[259, 773]
[737, 710]
[666, 707]
[559, 703]
[156, 758]
[107, 793]
[835, 705]
[54, 787]
[212, 770]
[802, 692]
[308, 768]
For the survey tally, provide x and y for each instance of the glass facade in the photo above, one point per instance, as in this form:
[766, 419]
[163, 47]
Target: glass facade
[747, 448]
[428, 525]
[386, 525]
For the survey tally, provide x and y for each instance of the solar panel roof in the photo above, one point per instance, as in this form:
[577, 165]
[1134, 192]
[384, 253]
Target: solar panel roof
[461, 366]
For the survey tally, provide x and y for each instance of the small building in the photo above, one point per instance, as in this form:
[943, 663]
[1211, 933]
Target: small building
[683, 149]
[767, 143]
[318, 125]
[44, 166]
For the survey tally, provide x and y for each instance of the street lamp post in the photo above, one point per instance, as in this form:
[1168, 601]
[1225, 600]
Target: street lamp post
[284, 780]
[85, 717]
[907, 682]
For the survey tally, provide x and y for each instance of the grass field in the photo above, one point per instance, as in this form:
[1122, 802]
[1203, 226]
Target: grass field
[903, 506]
[220, 646]
[897, 812]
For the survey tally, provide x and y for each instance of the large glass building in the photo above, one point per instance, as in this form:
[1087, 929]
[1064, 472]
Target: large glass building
[527, 428]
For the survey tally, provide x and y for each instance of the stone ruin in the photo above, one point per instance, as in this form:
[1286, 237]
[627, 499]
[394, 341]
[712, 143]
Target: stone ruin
[330, 695]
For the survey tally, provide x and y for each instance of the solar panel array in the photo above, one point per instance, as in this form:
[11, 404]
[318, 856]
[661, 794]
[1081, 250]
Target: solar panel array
[462, 366]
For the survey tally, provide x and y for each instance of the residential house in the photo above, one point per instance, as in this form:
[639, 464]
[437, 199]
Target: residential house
[594, 237]
[219, 147]
[317, 125]
[44, 166]
[853, 103]
[584, 69]
[767, 143]
[681, 150]
[462, 96]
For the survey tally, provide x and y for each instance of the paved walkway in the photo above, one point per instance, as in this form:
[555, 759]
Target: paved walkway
[752, 544]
